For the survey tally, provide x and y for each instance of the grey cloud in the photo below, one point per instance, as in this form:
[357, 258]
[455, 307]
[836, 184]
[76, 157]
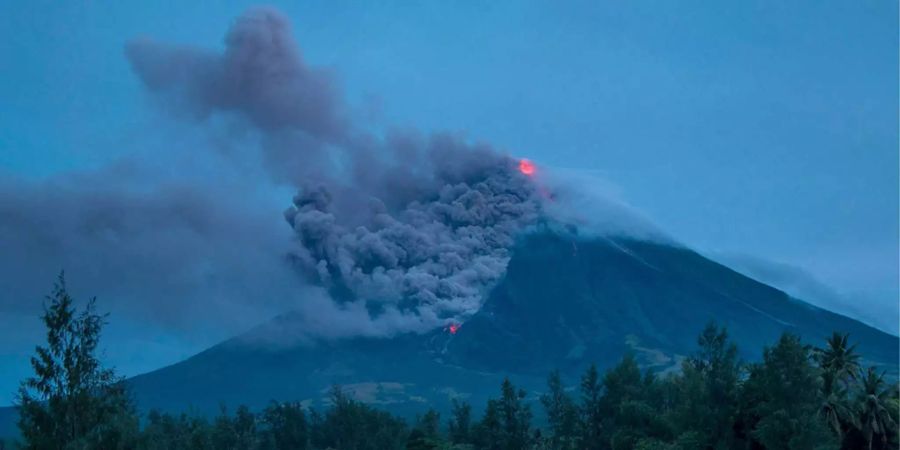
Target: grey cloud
[409, 224]
[397, 230]
[184, 255]
[260, 74]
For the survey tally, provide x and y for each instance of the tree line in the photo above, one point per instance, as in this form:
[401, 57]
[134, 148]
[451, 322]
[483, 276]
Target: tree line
[796, 397]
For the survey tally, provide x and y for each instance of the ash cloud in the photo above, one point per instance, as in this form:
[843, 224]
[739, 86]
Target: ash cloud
[196, 257]
[414, 228]
[388, 231]
[261, 74]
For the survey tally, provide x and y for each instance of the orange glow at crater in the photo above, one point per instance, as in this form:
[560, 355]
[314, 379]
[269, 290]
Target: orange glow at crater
[453, 328]
[526, 167]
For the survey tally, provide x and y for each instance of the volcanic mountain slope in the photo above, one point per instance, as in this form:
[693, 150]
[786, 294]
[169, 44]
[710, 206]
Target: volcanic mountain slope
[564, 303]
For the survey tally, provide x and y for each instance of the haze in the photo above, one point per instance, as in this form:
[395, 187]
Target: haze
[765, 130]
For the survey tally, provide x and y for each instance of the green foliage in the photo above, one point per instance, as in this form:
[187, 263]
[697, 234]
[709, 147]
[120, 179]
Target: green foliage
[167, 432]
[590, 410]
[796, 398]
[235, 433]
[711, 404]
[877, 410]
[839, 364]
[562, 415]
[425, 434]
[459, 426]
[506, 424]
[707, 391]
[72, 402]
[784, 396]
[284, 426]
[353, 425]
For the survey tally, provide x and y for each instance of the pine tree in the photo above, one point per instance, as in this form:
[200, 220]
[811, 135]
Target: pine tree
[460, 424]
[506, 424]
[488, 433]
[590, 410]
[516, 417]
[708, 389]
[562, 415]
[72, 401]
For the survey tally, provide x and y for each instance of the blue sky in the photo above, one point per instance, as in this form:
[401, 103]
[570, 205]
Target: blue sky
[761, 128]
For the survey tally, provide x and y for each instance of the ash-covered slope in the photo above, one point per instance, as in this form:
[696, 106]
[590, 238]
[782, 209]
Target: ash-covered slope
[564, 303]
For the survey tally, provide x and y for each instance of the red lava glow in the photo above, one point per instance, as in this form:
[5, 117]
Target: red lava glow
[453, 328]
[526, 167]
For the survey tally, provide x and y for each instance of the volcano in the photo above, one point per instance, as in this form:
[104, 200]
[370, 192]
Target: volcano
[564, 303]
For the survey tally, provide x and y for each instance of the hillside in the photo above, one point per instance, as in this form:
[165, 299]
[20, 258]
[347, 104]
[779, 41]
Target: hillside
[564, 303]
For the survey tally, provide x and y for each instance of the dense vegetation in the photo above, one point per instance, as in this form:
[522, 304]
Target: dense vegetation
[796, 397]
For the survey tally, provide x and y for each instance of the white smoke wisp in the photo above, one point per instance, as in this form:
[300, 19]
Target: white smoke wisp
[588, 201]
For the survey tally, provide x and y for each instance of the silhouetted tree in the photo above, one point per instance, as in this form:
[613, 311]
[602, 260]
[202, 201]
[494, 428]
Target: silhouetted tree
[235, 433]
[516, 416]
[708, 389]
[72, 401]
[877, 418]
[166, 432]
[838, 364]
[562, 415]
[352, 425]
[797, 397]
[506, 424]
[590, 410]
[782, 398]
[838, 357]
[459, 424]
[284, 426]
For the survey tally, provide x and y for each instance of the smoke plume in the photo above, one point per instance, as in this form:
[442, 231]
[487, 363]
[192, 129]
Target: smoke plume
[401, 223]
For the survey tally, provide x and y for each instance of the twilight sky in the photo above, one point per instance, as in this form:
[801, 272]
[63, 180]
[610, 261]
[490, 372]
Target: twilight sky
[755, 131]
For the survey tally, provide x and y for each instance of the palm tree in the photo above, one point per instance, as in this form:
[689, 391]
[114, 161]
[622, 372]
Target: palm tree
[876, 419]
[835, 409]
[838, 358]
[839, 363]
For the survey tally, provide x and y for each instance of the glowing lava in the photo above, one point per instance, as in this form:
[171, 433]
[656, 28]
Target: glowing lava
[453, 328]
[526, 167]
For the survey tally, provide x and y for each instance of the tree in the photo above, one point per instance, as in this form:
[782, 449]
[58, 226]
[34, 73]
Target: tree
[835, 408]
[72, 401]
[839, 364]
[591, 415]
[426, 434]
[623, 383]
[515, 416]
[352, 425]
[166, 432]
[562, 415]
[506, 424]
[782, 398]
[838, 357]
[459, 425]
[708, 389]
[235, 433]
[489, 430]
[284, 426]
[877, 413]
[632, 406]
